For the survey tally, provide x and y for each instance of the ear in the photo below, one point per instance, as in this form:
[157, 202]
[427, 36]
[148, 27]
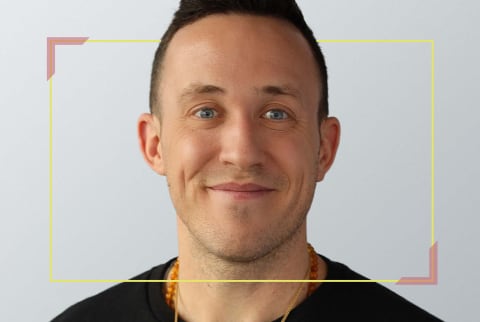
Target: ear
[148, 128]
[329, 140]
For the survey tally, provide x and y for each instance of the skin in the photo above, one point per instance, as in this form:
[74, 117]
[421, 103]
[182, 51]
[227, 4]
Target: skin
[241, 147]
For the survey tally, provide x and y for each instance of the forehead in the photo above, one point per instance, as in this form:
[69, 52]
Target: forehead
[236, 51]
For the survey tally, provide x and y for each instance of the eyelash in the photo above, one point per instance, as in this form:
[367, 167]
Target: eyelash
[276, 110]
[202, 109]
[287, 115]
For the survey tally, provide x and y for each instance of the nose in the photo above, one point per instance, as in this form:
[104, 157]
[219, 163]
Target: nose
[242, 143]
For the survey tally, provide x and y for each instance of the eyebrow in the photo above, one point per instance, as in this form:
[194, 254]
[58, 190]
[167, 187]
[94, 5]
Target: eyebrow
[279, 90]
[197, 89]
[272, 90]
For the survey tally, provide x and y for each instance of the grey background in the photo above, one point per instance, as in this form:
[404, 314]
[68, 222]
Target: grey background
[112, 214]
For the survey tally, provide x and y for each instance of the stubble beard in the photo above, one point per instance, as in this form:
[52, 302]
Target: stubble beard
[232, 256]
[245, 253]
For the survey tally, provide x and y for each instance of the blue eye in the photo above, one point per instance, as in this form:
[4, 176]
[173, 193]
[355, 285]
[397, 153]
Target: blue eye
[206, 113]
[276, 115]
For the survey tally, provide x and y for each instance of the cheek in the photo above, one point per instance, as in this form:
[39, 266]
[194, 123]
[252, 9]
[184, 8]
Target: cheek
[187, 153]
[301, 161]
[298, 153]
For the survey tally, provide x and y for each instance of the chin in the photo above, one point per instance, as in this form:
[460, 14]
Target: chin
[239, 256]
[245, 250]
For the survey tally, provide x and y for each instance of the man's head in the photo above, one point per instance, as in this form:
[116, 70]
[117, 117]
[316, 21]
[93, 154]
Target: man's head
[194, 10]
[239, 139]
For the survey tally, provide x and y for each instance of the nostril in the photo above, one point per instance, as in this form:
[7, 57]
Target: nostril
[243, 152]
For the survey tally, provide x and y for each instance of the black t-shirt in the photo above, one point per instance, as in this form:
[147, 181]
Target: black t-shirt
[345, 301]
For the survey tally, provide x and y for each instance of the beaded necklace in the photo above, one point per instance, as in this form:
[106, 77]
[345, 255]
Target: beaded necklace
[171, 294]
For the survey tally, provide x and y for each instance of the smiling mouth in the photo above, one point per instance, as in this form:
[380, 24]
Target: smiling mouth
[241, 191]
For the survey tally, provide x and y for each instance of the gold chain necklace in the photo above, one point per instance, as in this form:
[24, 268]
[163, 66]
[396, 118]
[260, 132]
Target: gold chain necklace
[172, 291]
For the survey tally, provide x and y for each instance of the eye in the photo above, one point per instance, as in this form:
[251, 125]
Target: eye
[276, 115]
[206, 113]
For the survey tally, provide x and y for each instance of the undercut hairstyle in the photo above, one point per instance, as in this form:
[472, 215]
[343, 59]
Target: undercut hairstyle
[191, 11]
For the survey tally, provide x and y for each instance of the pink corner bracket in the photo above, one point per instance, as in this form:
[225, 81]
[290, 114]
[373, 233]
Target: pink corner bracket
[52, 42]
[433, 276]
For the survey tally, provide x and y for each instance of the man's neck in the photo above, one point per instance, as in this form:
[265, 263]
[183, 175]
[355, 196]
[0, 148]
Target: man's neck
[260, 301]
[250, 302]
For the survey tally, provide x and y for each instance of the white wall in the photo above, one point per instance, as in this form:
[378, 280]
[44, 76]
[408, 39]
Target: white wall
[112, 216]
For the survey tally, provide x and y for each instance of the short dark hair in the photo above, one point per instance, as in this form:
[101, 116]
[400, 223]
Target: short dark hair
[190, 11]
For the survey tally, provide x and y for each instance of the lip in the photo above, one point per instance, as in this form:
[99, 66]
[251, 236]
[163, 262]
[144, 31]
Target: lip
[237, 187]
[242, 191]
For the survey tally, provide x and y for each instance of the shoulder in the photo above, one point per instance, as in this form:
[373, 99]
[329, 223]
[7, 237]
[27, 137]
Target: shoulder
[128, 301]
[356, 300]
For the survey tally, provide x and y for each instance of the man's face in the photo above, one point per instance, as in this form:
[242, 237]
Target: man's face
[239, 133]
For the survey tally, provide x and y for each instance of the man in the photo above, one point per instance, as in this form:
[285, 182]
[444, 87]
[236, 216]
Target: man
[239, 126]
